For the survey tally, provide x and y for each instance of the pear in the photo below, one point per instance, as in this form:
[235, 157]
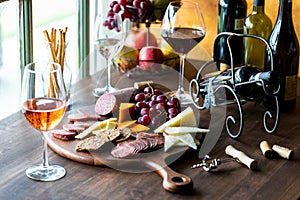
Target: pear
[127, 58]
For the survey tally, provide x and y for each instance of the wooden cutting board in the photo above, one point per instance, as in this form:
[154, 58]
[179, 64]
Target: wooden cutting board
[146, 162]
[157, 161]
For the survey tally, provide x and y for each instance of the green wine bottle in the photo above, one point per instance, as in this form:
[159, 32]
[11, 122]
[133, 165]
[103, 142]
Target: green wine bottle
[259, 24]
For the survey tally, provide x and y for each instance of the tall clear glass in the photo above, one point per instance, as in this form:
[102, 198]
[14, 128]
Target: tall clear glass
[43, 104]
[109, 39]
[183, 28]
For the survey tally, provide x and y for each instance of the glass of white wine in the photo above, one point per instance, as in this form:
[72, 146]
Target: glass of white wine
[109, 38]
[44, 105]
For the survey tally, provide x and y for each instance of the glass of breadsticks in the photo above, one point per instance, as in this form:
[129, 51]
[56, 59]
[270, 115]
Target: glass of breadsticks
[56, 44]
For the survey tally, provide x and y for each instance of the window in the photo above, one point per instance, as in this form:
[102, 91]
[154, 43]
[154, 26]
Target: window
[9, 58]
[73, 14]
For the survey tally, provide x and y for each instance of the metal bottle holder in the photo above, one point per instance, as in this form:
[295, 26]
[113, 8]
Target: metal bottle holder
[206, 91]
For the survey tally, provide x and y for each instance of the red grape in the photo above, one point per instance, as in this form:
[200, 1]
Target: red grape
[123, 2]
[157, 92]
[173, 111]
[116, 8]
[153, 103]
[148, 90]
[145, 111]
[139, 97]
[136, 3]
[140, 105]
[145, 120]
[161, 98]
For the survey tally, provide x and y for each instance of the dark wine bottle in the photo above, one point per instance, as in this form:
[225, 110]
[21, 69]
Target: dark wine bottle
[231, 17]
[248, 82]
[285, 48]
[259, 24]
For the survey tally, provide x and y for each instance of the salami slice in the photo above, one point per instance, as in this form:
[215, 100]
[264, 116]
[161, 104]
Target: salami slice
[63, 134]
[145, 143]
[73, 128]
[109, 102]
[106, 104]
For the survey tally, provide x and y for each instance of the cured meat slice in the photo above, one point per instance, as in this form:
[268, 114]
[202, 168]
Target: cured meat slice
[63, 134]
[109, 102]
[106, 104]
[73, 128]
[145, 143]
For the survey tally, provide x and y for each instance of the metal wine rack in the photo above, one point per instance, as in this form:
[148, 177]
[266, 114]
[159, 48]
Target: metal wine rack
[215, 91]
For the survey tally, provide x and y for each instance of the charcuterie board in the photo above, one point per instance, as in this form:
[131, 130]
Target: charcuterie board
[157, 160]
[154, 161]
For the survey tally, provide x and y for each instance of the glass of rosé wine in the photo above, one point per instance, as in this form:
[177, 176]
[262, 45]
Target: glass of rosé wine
[43, 101]
[183, 28]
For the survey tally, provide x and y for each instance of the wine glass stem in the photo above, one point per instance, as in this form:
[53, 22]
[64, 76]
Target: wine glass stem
[181, 74]
[45, 150]
[108, 86]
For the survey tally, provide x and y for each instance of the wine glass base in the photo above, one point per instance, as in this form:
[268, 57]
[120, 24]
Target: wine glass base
[184, 98]
[42, 173]
[99, 91]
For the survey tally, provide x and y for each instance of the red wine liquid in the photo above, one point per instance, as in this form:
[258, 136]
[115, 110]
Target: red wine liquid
[182, 40]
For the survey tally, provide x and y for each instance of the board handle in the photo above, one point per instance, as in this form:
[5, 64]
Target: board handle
[172, 181]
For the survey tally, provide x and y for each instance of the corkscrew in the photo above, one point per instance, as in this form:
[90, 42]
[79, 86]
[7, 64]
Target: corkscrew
[209, 163]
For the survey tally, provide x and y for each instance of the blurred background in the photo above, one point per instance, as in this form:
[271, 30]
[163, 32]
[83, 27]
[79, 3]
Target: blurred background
[59, 14]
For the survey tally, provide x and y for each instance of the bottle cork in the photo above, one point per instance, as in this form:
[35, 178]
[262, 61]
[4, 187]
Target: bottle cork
[266, 149]
[284, 152]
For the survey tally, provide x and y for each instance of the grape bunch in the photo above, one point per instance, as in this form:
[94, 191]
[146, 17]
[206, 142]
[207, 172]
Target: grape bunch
[153, 108]
[136, 10]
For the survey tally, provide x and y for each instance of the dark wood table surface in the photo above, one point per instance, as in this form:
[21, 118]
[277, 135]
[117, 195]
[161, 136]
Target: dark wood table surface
[20, 147]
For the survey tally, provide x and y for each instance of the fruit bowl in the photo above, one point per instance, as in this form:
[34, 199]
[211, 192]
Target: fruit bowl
[129, 62]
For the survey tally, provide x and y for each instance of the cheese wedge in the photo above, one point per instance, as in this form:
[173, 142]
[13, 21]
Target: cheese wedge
[96, 126]
[185, 118]
[125, 112]
[182, 130]
[126, 124]
[181, 140]
[138, 128]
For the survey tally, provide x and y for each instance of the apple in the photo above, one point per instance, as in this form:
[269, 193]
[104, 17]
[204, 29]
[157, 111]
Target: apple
[137, 38]
[150, 57]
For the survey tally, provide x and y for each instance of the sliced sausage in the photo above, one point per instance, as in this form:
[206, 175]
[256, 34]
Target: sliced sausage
[63, 134]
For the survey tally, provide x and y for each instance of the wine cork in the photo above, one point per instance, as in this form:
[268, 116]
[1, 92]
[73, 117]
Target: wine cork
[283, 152]
[241, 156]
[266, 149]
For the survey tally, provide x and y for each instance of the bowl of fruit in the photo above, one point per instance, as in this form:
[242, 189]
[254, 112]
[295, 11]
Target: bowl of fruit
[144, 53]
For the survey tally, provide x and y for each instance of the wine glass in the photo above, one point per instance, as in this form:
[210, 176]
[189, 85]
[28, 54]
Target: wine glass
[44, 105]
[183, 28]
[109, 39]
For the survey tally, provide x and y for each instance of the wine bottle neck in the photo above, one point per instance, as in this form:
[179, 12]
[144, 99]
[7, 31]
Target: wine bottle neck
[285, 13]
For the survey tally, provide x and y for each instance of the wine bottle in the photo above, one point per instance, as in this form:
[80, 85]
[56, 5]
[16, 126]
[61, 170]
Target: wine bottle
[248, 81]
[259, 24]
[285, 49]
[231, 17]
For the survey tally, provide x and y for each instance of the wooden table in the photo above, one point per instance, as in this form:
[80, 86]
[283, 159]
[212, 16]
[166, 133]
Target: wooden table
[20, 147]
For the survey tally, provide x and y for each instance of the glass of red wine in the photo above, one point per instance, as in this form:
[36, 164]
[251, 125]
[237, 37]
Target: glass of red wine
[183, 28]
[109, 38]
[44, 104]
